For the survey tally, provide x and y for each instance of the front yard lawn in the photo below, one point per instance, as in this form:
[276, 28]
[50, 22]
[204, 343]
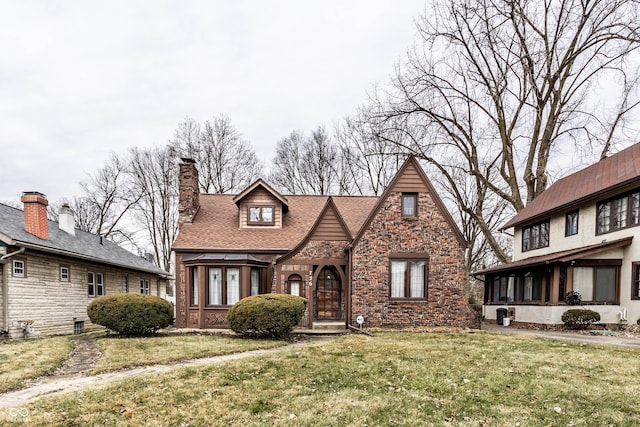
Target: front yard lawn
[119, 353]
[24, 360]
[456, 379]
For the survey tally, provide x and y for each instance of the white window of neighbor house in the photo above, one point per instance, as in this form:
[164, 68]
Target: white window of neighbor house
[18, 268]
[65, 273]
[125, 284]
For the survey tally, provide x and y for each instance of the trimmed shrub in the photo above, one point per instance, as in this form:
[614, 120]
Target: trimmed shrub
[131, 314]
[580, 318]
[266, 315]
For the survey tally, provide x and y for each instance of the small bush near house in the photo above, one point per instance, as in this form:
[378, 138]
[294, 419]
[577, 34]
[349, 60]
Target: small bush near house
[267, 315]
[131, 314]
[580, 318]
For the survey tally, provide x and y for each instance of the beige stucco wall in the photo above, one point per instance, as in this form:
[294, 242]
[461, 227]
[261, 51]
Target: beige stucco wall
[586, 236]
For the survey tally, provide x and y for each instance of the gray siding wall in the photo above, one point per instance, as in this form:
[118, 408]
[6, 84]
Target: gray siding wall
[54, 305]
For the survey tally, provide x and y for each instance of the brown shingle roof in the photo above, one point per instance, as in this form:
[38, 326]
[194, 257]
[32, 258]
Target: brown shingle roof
[215, 227]
[608, 174]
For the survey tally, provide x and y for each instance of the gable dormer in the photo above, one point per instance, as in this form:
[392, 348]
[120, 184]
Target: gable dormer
[259, 206]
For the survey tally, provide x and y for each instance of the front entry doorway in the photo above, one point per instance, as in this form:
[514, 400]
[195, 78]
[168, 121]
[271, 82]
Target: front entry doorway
[328, 294]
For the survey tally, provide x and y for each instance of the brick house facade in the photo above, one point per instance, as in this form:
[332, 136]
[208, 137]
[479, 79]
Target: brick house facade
[396, 260]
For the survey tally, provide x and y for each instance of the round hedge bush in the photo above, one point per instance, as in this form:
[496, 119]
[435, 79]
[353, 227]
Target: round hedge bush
[266, 315]
[580, 318]
[131, 314]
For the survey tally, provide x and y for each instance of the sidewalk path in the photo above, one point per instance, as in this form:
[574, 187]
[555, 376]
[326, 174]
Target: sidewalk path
[599, 339]
[52, 386]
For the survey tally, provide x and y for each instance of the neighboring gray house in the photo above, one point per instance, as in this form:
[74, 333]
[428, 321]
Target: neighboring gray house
[49, 272]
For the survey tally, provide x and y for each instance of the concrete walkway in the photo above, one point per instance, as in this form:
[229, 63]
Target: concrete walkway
[630, 341]
[53, 386]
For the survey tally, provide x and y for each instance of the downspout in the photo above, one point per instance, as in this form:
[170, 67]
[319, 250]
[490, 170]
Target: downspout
[5, 288]
[349, 284]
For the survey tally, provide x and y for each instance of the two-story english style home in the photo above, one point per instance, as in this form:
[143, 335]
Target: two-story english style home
[50, 272]
[396, 260]
[581, 234]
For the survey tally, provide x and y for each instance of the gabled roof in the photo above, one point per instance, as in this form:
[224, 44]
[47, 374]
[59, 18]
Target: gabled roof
[260, 183]
[331, 213]
[607, 175]
[562, 256]
[215, 227]
[399, 180]
[85, 246]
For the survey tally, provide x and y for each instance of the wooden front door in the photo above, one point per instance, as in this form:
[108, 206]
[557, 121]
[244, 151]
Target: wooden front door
[328, 295]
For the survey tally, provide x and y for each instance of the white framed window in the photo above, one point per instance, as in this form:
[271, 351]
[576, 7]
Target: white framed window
[125, 284]
[19, 268]
[145, 287]
[65, 273]
[95, 284]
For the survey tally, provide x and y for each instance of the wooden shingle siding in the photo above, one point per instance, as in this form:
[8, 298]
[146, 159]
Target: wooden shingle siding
[260, 197]
[410, 181]
[54, 305]
[330, 227]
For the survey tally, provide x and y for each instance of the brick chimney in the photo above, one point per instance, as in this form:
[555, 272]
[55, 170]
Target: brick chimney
[189, 191]
[35, 214]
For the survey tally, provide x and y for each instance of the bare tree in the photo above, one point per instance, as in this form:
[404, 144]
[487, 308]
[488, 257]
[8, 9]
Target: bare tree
[306, 165]
[226, 162]
[368, 162]
[500, 89]
[154, 177]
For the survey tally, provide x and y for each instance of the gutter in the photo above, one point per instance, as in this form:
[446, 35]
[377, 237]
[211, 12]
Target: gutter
[5, 287]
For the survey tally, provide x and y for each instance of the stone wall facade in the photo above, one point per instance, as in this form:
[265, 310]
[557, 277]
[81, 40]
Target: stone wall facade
[428, 233]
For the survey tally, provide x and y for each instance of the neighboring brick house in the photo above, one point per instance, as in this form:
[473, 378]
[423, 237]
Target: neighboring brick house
[49, 272]
[396, 260]
[581, 234]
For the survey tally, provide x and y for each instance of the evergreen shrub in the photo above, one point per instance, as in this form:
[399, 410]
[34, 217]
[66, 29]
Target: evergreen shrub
[131, 314]
[266, 315]
[580, 318]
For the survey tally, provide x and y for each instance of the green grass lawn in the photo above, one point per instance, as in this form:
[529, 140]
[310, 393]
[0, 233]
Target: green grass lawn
[23, 360]
[119, 353]
[448, 379]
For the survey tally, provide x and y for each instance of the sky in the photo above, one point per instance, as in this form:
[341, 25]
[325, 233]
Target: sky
[82, 79]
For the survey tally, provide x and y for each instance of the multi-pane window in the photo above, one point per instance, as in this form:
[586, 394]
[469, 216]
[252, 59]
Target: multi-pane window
[597, 283]
[619, 213]
[95, 284]
[535, 236]
[18, 268]
[409, 204]
[125, 284]
[65, 273]
[260, 215]
[635, 285]
[408, 278]
[223, 285]
[294, 284]
[145, 287]
[571, 223]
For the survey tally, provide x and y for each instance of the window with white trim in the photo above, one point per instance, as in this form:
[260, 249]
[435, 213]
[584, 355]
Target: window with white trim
[125, 284]
[65, 273]
[95, 284]
[145, 287]
[18, 268]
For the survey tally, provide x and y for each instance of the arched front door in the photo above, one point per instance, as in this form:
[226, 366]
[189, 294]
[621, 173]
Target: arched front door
[328, 294]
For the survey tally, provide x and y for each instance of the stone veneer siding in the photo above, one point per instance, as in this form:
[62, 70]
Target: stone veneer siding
[388, 233]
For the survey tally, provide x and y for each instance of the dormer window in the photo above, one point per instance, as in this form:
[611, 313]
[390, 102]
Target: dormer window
[260, 215]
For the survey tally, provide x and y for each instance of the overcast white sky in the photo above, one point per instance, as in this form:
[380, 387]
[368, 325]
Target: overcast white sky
[82, 79]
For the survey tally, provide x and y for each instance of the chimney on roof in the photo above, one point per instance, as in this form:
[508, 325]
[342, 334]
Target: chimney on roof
[66, 220]
[189, 191]
[35, 214]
